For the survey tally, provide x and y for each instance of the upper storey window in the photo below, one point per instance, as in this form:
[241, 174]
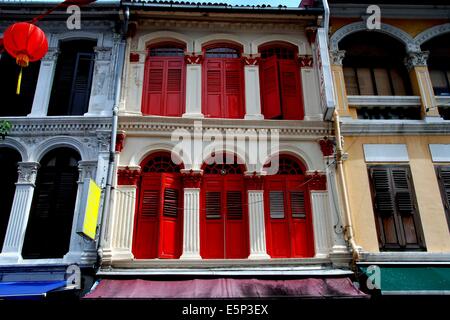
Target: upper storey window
[281, 88]
[73, 79]
[373, 65]
[164, 81]
[439, 63]
[13, 104]
[223, 88]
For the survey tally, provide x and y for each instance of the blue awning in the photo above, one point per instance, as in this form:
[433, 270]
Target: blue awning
[28, 289]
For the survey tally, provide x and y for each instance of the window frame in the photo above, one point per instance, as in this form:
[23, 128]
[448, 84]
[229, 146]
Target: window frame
[445, 201]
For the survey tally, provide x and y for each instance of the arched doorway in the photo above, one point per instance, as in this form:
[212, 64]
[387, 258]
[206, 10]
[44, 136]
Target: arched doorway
[8, 171]
[224, 223]
[159, 218]
[288, 211]
[50, 224]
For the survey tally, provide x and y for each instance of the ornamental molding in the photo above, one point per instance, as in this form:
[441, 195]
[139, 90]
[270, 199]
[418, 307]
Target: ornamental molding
[103, 53]
[326, 146]
[104, 141]
[410, 43]
[87, 170]
[27, 172]
[416, 59]
[193, 58]
[336, 57]
[432, 32]
[128, 176]
[306, 61]
[219, 25]
[394, 127]
[32, 127]
[316, 180]
[254, 180]
[251, 59]
[120, 141]
[191, 178]
[52, 55]
[145, 126]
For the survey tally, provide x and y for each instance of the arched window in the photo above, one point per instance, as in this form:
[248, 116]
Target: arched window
[164, 80]
[288, 211]
[281, 90]
[224, 223]
[223, 84]
[50, 224]
[13, 104]
[374, 66]
[8, 171]
[439, 67]
[71, 89]
[159, 221]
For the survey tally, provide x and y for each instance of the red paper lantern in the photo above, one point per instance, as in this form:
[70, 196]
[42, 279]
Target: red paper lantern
[26, 43]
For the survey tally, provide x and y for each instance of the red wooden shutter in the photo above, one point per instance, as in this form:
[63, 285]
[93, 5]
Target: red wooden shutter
[270, 88]
[154, 88]
[298, 204]
[236, 227]
[233, 89]
[213, 205]
[214, 89]
[170, 224]
[164, 87]
[174, 100]
[146, 236]
[291, 95]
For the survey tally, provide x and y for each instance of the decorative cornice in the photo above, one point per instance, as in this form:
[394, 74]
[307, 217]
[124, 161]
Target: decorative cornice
[394, 127]
[336, 57]
[128, 176]
[416, 59]
[138, 125]
[104, 140]
[103, 53]
[306, 61]
[51, 126]
[27, 172]
[192, 178]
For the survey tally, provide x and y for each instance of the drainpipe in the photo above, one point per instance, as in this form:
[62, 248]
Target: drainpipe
[326, 22]
[348, 229]
[115, 120]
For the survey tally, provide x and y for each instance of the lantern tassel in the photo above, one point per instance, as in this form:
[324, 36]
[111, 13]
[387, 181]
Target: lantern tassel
[19, 81]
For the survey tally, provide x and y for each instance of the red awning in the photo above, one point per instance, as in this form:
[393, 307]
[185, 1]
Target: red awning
[224, 288]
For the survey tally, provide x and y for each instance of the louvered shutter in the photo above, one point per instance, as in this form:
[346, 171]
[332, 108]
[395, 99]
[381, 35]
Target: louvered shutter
[444, 181]
[213, 205]
[234, 205]
[384, 202]
[403, 196]
[150, 203]
[233, 89]
[298, 204]
[270, 88]
[171, 197]
[290, 87]
[174, 99]
[214, 89]
[154, 88]
[81, 86]
[276, 204]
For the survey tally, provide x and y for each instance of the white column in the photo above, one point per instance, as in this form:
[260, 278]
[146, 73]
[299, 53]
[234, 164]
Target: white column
[77, 248]
[257, 225]
[193, 87]
[44, 84]
[310, 87]
[322, 228]
[252, 93]
[100, 102]
[122, 222]
[191, 224]
[134, 85]
[20, 211]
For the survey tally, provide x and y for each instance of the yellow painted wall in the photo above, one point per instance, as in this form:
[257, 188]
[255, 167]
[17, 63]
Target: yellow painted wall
[431, 209]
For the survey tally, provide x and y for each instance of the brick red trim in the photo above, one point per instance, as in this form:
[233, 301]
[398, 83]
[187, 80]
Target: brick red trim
[128, 177]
